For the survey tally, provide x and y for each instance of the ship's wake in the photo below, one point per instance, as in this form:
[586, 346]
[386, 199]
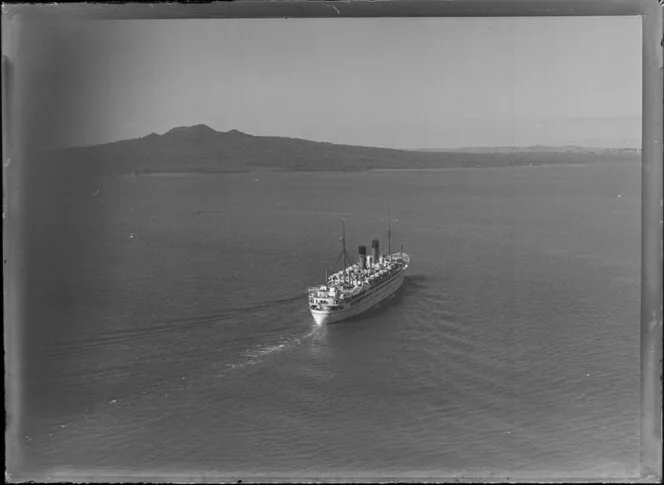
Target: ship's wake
[231, 312]
[260, 352]
[154, 326]
[207, 351]
[284, 343]
[278, 328]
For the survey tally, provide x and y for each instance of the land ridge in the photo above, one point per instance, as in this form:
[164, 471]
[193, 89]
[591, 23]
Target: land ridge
[201, 149]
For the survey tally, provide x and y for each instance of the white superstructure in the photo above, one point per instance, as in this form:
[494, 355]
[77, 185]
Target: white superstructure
[358, 287]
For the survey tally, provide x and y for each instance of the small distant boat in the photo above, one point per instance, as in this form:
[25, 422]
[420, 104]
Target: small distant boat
[358, 287]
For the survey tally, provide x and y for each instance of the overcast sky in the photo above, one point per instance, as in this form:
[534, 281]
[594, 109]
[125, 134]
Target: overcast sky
[405, 83]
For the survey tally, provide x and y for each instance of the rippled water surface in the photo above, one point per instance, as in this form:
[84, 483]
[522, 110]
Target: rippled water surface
[181, 342]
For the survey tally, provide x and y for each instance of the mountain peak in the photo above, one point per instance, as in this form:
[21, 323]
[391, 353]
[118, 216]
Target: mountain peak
[199, 129]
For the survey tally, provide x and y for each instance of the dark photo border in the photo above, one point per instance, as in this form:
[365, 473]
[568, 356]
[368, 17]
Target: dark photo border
[17, 185]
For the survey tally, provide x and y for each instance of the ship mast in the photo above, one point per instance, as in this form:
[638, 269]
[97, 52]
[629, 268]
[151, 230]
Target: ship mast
[389, 232]
[343, 244]
[344, 254]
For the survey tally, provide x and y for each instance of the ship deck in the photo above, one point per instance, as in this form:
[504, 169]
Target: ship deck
[354, 282]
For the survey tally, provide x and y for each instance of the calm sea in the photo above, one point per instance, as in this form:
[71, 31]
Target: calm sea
[174, 338]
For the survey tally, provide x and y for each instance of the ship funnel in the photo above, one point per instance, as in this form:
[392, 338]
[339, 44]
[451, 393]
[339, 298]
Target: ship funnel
[375, 246]
[362, 251]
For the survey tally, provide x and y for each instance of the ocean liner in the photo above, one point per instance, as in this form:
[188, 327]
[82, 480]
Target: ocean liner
[361, 286]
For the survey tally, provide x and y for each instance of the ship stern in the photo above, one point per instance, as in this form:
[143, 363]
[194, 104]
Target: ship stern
[320, 317]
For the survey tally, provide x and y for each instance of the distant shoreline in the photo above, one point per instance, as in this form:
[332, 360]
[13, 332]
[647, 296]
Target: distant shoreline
[200, 149]
[368, 170]
[487, 167]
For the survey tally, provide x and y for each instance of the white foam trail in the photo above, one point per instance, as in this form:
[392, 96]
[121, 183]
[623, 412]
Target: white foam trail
[315, 332]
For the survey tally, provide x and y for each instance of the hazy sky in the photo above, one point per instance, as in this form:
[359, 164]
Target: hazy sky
[406, 82]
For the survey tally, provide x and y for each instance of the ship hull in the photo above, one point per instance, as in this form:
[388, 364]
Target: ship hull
[323, 317]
